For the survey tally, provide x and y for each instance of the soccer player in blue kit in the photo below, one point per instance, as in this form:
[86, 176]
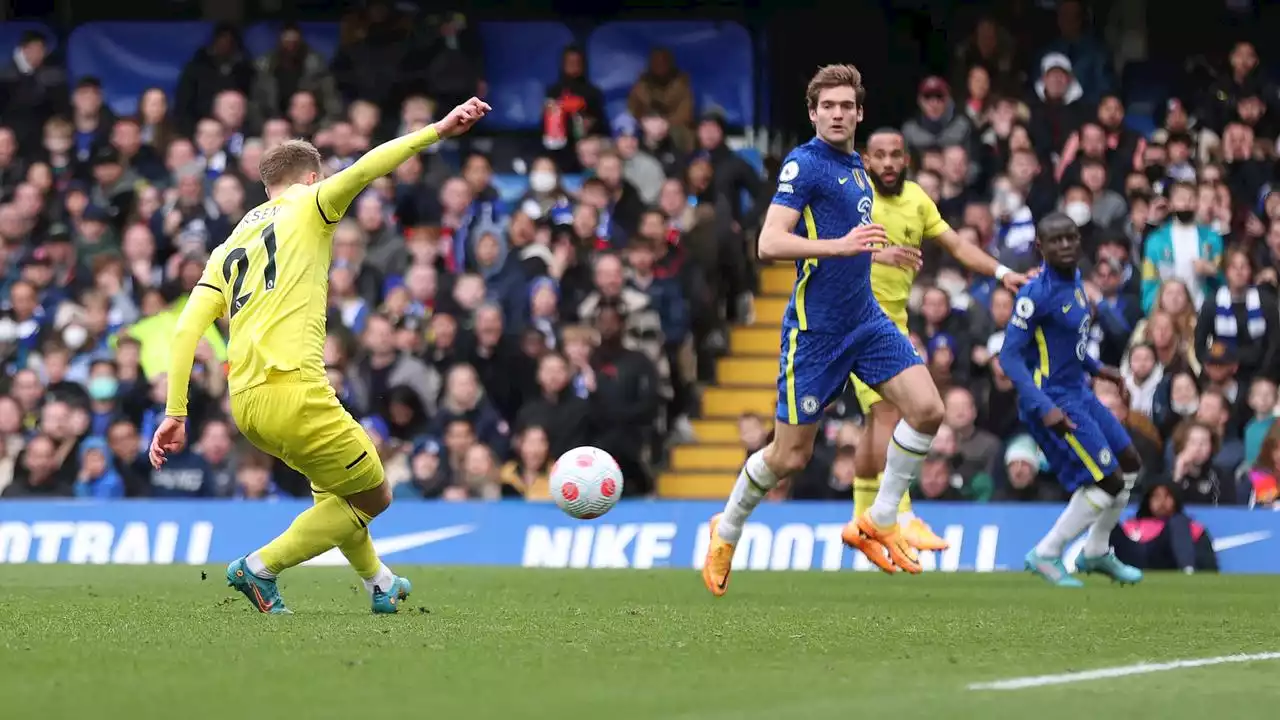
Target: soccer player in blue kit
[1045, 355]
[820, 218]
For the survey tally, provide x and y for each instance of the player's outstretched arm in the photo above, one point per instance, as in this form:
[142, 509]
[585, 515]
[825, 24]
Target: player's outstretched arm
[975, 259]
[205, 305]
[778, 242]
[336, 194]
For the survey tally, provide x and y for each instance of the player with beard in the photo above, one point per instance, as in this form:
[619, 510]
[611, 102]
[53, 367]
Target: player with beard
[909, 218]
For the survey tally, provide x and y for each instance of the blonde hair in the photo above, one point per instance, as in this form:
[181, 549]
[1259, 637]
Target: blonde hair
[831, 76]
[287, 162]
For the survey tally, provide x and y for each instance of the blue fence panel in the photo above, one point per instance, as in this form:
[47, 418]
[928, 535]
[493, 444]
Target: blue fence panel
[130, 57]
[11, 32]
[791, 536]
[716, 55]
[263, 37]
[521, 59]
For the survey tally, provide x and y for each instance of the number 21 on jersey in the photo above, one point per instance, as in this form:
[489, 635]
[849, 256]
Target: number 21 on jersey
[237, 264]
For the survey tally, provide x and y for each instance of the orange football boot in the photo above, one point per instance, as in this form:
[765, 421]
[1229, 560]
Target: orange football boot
[890, 538]
[920, 536]
[854, 538]
[719, 562]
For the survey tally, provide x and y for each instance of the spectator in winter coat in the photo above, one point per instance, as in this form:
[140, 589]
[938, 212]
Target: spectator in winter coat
[464, 399]
[559, 410]
[623, 398]
[97, 479]
[291, 66]
[938, 124]
[1180, 249]
[220, 65]
[1163, 537]
[1239, 314]
[1056, 110]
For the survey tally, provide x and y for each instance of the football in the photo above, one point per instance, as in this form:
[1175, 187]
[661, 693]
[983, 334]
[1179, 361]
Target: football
[586, 482]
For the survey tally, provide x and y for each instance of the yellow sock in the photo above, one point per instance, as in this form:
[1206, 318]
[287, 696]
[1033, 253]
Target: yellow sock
[327, 524]
[864, 494]
[905, 505]
[357, 549]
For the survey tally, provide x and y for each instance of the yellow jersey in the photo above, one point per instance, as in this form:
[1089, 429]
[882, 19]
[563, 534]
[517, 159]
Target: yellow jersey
[909, 218]
[271, 278]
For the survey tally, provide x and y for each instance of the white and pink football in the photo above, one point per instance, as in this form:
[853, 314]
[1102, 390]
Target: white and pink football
[586, 482]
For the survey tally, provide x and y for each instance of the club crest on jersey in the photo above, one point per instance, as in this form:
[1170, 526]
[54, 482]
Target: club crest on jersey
[809, 404]
[864, 210]
[1105, 456]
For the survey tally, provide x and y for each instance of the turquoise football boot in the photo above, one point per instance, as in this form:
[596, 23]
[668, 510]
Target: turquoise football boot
[1110, 566]
[1052, 570]
[388, 601]
[263, 593]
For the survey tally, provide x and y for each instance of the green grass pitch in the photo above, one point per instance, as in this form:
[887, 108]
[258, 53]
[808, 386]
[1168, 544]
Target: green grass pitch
[81, 642]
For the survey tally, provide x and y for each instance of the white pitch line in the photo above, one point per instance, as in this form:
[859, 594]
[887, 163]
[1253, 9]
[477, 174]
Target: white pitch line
[1115, 672]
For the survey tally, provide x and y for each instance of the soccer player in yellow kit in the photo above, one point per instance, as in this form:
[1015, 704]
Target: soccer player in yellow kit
[271, 277]
[909, 217]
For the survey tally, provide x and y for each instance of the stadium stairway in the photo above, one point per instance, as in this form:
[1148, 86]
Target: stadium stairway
[746, 381]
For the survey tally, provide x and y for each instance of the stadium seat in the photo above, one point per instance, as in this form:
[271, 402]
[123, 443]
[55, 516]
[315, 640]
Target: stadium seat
[521, 59]
[130, 57]
[321, 36]
[510, 186]
[11, 31]
[717, 56]
[1146, 85]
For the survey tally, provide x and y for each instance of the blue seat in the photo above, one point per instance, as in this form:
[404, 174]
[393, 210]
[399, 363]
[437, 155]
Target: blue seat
[521, 59]
[1146, 85]
[716, 55]
[323, 37]
[510, 186]
[130, 57]
[753, 158]
[11, 32]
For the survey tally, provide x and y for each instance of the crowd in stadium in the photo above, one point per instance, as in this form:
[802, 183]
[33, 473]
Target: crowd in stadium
[477, 338]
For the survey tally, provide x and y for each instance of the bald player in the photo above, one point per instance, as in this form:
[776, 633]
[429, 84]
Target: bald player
[909, 217]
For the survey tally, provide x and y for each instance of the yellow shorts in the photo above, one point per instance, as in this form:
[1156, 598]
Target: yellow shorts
[303, 424]
[866, 395]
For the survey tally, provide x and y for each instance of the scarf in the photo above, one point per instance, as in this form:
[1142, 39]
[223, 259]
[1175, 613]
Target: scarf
[1225, 325]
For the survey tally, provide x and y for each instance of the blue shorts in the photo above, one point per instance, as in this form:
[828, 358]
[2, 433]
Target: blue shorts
[815, 366]
[1088, 454]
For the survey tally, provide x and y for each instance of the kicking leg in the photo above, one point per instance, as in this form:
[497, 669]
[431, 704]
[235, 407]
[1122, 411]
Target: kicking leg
[786, 456]
[359, 551]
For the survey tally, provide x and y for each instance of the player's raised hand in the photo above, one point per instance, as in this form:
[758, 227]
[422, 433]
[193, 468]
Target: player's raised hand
[1012, 281]
[1057, 421]
[897, 256]
[863, 239]
[460, 119]
[170, 437]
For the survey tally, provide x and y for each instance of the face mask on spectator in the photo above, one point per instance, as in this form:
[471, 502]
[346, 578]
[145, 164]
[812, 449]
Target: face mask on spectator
[1186, 217]
[1186, 410]
[542, 181]
[103, 388]
[1079, 212]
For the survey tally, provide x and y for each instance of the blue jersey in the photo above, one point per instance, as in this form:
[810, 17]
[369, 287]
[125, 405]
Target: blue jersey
[1046, 343]
[832, 193]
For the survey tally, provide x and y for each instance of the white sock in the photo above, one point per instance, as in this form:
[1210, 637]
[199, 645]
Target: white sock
[901, 466]
[1086, 506]
[754, 482]
[1098, 542]
[257, 567]
[382, 579]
